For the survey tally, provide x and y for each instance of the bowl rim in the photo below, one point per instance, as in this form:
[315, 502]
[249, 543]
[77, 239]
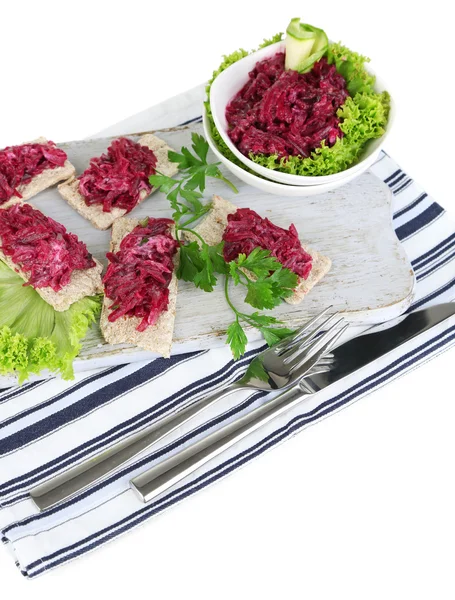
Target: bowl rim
[279, 176]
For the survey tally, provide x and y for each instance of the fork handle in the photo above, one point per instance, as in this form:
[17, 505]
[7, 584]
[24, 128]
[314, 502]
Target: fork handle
[84, 475]
[169, 472]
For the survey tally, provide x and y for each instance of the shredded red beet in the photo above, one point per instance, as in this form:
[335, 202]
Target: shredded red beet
[285, 112]
[117, 178]
[41, 247]
[138, 276]
[19, 164]
[246, 230]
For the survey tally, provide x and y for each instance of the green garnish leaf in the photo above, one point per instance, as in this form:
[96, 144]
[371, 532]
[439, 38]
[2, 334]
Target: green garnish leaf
[163, 182]
[190, 263]
[273, 335]
[205, 279]
[260, 262]
[260, 320]
[270, 281]
[200, 146]
[180, 159]
[192, 197]
[197, 179]
[256, 370]
[199, 265]
[261, 294]
[216, 256]
[236, 339]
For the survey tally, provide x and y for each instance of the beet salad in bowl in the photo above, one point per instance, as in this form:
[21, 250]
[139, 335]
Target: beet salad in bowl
[300, 110]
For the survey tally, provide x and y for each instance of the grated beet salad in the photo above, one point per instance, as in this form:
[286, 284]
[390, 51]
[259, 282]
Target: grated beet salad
[285, 112]
[19, 164]
[138, 276]
[246, 230]
[117, 178]
[41, 247]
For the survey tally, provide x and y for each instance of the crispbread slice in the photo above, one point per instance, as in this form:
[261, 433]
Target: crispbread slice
[44, 180]
[157, 338]
[82, 283]
[69, 190]
[211, 229]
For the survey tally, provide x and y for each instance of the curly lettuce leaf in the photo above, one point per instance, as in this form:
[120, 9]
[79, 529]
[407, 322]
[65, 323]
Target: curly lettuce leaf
[351, 65]
[33, 336]
[363, 116]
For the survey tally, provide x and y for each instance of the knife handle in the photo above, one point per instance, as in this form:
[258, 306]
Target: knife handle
[171, 471]
[84, 475]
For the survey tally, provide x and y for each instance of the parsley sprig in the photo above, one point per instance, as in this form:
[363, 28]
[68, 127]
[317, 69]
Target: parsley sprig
[184, 194]
[266, 281]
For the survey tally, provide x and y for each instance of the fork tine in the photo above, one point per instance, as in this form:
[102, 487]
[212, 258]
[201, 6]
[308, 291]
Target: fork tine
[297, 348]
[317, 370]
[284, 344]
[319, 348]
[325, 361]
[302, 340]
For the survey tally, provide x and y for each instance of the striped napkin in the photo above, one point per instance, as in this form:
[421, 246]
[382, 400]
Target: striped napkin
[48, 426]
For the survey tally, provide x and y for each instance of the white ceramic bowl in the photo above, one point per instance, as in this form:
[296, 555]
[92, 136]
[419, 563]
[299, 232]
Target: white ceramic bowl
[272, 187]
[230, 81]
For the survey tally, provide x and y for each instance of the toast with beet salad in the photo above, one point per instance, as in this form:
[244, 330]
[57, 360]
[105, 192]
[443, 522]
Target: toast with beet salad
[242, 230]
[47, 257]
[117, 181]
[140, 284]
[30, 168]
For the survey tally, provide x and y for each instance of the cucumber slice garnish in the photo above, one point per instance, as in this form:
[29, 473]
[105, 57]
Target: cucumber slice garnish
[305, 44]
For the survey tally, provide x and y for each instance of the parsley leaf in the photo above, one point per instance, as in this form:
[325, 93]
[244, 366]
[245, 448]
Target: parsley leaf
[256, 370]
[236, 339]
[163, 182]
[285, 280]
[205, 279]
[190, 263]
[261, 294]
[260, 262]
[269, 283]
[200, 146]
[199, 265]
[216, 256]
[192, 197]
[262, 320]
[273, 335]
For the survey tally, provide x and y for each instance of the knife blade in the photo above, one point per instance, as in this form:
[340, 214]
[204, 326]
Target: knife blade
[348, 358]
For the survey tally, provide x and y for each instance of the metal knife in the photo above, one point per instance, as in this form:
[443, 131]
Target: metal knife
[349, 357]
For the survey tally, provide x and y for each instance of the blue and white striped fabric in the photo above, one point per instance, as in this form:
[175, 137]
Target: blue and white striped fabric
[45, 427]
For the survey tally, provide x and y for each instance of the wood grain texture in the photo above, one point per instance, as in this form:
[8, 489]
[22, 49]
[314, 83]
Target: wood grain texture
[371, 279]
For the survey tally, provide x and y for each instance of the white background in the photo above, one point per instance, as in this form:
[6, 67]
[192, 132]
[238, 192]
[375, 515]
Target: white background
[359, 507]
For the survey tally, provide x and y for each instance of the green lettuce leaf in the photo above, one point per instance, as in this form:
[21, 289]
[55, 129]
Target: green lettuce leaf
[363, 117]
[33, 336]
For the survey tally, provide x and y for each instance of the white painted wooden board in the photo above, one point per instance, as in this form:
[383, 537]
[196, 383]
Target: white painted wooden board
[371, 279]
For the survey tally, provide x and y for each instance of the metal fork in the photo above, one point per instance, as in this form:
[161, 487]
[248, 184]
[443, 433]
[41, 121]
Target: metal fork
[278, 367]
[163, 476]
